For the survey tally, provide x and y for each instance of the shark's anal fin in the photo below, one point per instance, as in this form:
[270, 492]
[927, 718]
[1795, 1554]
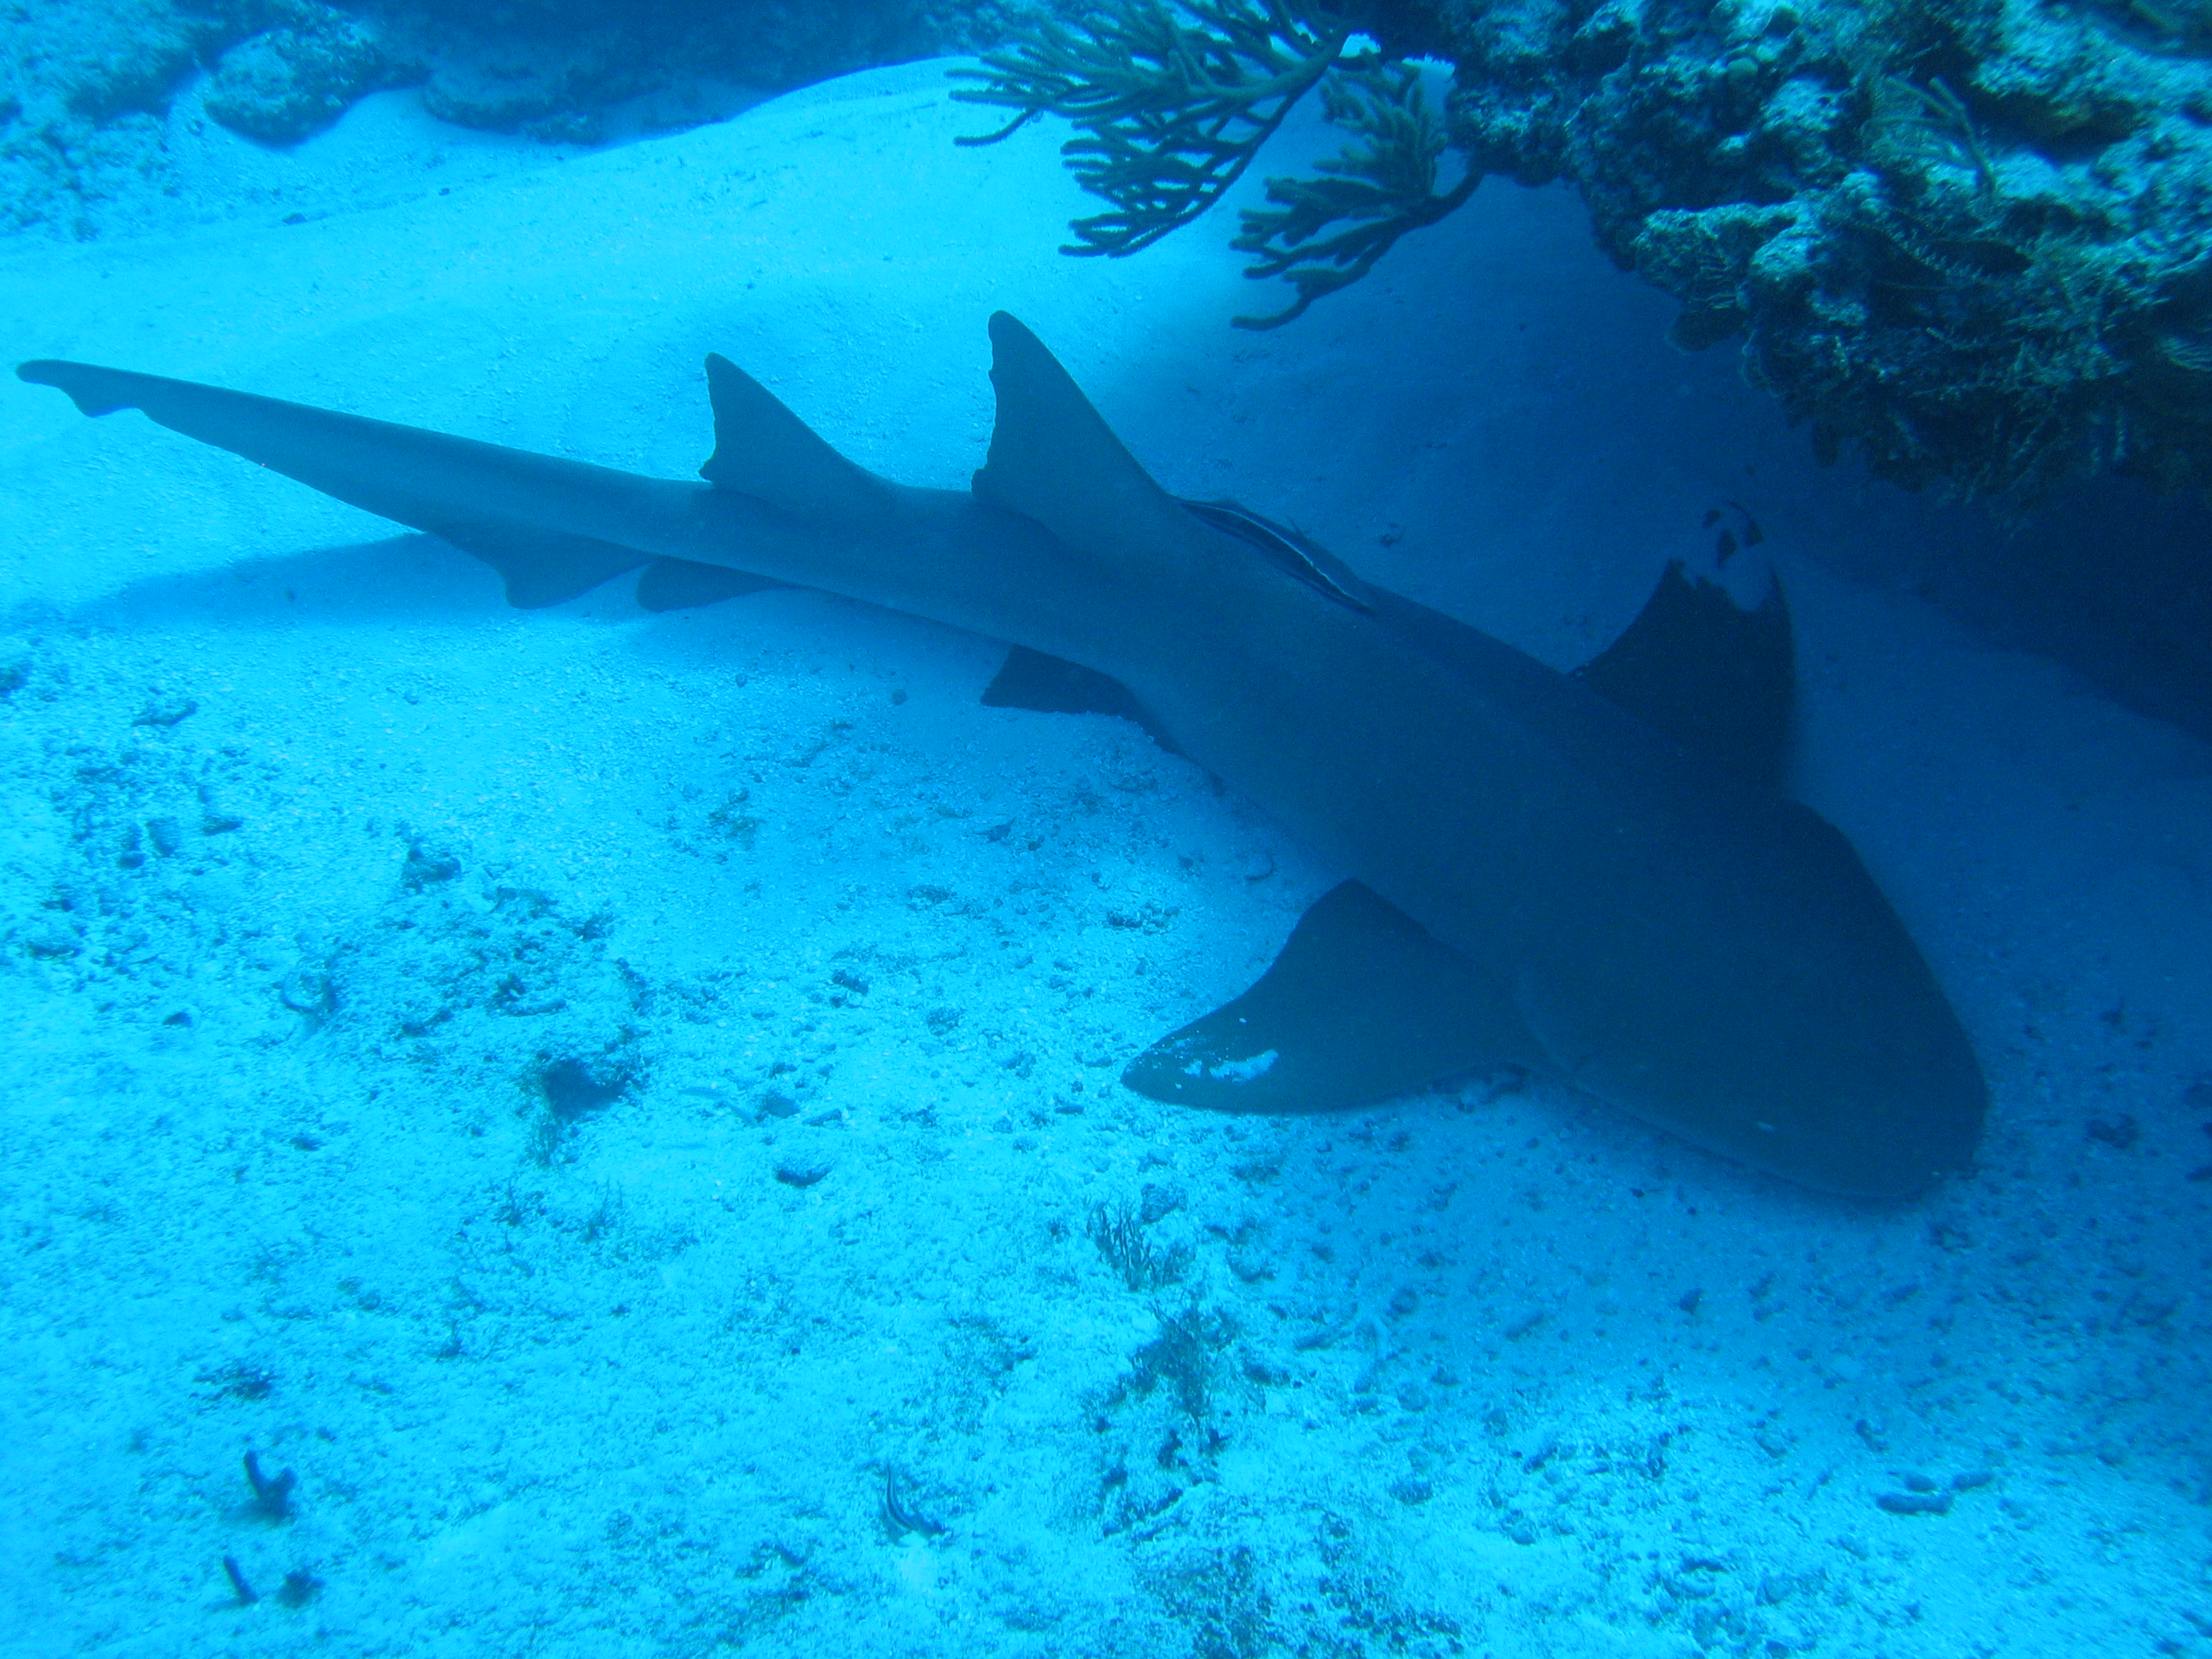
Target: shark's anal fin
[681, 584]
[1719, 680]
[1362, 1004]
[539, 567]
[1052, 685]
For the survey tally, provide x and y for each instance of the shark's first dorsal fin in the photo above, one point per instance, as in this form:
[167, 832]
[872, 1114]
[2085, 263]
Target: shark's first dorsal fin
[763, 450]
[1717, 679]
[1054, 459]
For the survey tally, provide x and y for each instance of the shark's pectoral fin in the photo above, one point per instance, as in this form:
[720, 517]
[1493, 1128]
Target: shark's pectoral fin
[1718, 679]
[1053, 685]
[1362, 1004]
[681, 584]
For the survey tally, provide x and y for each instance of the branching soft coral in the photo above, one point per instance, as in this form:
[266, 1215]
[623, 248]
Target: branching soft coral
[1172, 101]
[1379, 189]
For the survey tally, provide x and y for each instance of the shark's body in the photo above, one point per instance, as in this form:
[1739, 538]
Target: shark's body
[1542, 877]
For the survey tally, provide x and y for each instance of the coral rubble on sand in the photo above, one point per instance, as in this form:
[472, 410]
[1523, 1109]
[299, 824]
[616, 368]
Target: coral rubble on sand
[92, 92]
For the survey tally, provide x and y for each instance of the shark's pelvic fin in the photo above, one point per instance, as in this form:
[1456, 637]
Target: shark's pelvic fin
[682, 585]
[1054, 459]
[1362, 1004]
[1719, 680]
[763, 450]
[1053, 685]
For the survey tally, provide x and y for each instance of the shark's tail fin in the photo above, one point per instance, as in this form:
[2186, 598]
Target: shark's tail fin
[1054, 459]
[505, 506]
[93, 390]
[763, 450]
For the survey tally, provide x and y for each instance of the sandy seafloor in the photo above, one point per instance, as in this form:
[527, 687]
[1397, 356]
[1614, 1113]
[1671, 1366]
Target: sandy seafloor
[318, 859]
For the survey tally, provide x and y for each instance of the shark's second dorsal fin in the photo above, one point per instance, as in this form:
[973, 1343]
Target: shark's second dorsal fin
[1054, 459]
[763, 450]
[1718, 679]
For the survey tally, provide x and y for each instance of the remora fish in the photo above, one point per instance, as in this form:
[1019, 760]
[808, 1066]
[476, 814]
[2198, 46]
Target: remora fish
[1592, 876]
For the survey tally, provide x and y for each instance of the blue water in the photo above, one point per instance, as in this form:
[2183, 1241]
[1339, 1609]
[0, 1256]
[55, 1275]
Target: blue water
[616, 1114]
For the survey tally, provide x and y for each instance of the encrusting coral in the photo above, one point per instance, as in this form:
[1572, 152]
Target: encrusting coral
[1970, 239]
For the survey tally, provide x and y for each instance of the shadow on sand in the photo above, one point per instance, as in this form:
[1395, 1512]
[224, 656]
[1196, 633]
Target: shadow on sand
[401, 579]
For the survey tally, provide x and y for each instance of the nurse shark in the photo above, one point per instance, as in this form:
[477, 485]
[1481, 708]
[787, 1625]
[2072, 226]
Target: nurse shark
[1593, 876]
